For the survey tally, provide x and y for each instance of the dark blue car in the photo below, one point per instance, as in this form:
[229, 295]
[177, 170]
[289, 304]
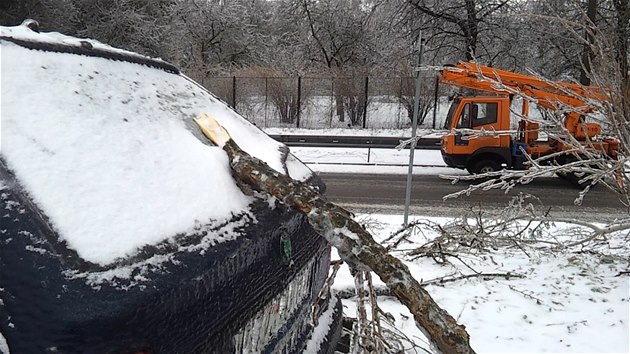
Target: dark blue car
[121, 229]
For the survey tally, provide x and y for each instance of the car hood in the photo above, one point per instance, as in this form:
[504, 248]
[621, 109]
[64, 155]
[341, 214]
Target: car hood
[102, 141]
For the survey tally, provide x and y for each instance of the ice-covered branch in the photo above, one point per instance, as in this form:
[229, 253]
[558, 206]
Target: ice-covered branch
[353, 242]
[419, 135]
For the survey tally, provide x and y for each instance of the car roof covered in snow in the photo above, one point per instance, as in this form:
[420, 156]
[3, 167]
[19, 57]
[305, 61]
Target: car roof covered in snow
[104, 144]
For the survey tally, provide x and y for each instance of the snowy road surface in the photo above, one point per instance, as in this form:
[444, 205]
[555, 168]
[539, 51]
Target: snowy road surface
[373, 184]
[386, 193]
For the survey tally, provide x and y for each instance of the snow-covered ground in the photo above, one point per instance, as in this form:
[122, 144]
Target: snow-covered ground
[569, 301]
[382, 161]
[340, 132]
[573, 300]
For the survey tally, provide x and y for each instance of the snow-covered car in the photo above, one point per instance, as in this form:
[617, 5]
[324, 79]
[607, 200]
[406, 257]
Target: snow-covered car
[121, 227]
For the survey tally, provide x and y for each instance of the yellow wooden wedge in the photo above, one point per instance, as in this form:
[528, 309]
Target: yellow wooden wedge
[212, 129]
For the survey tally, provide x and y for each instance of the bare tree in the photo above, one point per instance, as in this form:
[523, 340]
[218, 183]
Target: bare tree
[622, 39]
[137, 25]
[407, 97]
[212, 37]
[52, 15]
[587, 53]
[463, 19]
[546, 38]
[339, 40]
[338, 31]
[283, 94]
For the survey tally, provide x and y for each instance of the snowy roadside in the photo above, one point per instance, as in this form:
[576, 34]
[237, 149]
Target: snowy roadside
[575, 300]
[380, 161]
[339, 132]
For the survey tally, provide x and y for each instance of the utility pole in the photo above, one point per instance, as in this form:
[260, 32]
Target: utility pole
[414, 125]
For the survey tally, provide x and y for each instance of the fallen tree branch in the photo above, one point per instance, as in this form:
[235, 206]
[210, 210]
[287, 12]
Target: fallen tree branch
[354, 244]
[484, 276]
[520, 225]
[529, 296]
[349, 293]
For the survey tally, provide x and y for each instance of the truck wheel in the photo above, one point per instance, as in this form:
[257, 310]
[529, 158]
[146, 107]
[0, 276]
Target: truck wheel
[485, 166]
[571, 176]
[573, 179]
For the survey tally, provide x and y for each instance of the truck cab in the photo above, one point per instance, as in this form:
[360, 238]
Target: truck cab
[477, 152]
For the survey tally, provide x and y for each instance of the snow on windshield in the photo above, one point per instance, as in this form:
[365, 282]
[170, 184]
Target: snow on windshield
[108, 150]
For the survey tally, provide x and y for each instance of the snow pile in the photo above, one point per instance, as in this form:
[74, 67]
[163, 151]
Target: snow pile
[403, 132]
[108, 150]
[4, 347]
[374, 161]
[555, 301]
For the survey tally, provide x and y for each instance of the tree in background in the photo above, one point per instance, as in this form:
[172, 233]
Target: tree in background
[214, 37]
[52, 15]
[622, 39]
[407, 97]
[339, 42]
[138, 25]
[340, 39]
[455, 26]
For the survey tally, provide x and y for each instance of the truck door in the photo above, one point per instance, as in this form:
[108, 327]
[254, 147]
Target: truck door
[463, 122]
[476, 114]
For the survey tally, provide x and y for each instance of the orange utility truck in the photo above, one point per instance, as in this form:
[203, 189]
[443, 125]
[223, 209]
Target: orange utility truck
[488, 152]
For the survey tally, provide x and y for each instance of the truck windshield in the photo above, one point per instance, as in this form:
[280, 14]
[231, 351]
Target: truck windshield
[451, 112]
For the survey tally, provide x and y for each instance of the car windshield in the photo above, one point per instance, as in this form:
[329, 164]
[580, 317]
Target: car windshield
[142, 116]
[451, 112]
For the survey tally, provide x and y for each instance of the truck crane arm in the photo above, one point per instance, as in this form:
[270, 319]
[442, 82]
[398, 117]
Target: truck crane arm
[552, 95]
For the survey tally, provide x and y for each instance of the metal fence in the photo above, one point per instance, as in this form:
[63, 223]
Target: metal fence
[315, 102]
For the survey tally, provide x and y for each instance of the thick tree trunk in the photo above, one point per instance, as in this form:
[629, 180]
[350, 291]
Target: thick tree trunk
[623, 38]
[587, 51]
[355, 245]
[471, 29]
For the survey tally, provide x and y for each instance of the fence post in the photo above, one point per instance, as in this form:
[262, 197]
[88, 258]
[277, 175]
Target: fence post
[367, 78]
[400, 102]
[234, 92]
[266, 94]
[435, 100]
[299, 98]
[332, 100]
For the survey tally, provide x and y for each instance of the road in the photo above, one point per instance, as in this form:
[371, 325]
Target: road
[386, 193]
